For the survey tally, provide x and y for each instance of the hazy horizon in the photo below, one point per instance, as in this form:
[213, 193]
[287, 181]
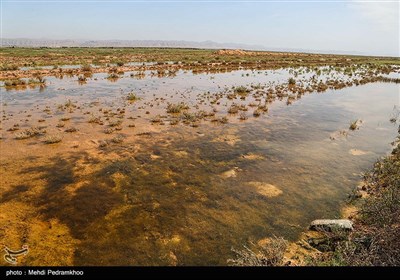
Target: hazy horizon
[369, 28]
[173, 44]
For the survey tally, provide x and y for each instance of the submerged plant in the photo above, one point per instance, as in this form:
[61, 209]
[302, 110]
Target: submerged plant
[114, 123]
[28, 133]
[354, 125]
[176, 108]
[109, 130]
[38, 81]
[14, 83]
[112, 76]
[132, 97]
[243, 116]
[64, 119]
[223, 120]
[82, 79]
[94, 119]
[69, 104]
[257, 113]
[189, 117]
[174, 121]
[241, 90]
[71, 129]
[52, 139]
[86, 68]
[60, 124]
[269, 254]
[117, 139]
[10, 67]
[157, 119]
[234, 109]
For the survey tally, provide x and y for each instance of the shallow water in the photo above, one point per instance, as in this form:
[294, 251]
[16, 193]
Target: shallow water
[180, 195]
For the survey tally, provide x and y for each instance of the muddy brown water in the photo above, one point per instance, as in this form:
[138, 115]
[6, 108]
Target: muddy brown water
[175, 194]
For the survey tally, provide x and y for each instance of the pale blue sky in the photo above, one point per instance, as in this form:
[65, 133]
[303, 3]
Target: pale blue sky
[367, 27]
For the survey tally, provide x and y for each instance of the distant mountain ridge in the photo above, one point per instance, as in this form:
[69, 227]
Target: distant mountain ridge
[27, 42]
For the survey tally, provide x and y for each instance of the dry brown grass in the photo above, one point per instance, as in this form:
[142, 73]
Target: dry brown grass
[269, 254]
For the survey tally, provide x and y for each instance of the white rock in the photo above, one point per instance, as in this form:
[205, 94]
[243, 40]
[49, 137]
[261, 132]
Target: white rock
[328, 225]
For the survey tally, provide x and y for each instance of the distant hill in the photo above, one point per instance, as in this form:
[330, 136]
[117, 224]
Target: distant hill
[26, 42]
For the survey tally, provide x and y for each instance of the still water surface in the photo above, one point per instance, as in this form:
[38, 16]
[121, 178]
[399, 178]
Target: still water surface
[181, 195]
